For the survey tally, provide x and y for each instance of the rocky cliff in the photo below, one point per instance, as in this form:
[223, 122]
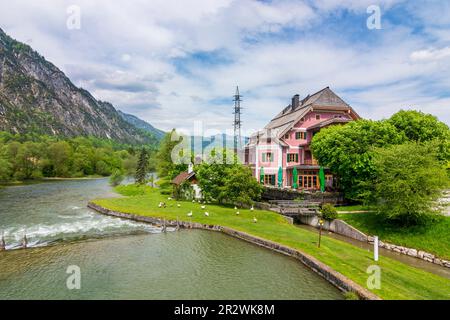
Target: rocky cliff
[37, 97]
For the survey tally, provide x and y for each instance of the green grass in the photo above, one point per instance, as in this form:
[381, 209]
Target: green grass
[433, 238]
[357, 207]
[399, 281]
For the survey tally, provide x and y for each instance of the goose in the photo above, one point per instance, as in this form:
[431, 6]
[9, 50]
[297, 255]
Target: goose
[206, 213]
[193, 201]
[169, 198]
[160, 205]
[189, 214]
[178, 205]
[203, 207]
[251, 209]
[255, 220]
[237, 212]
[235, 208]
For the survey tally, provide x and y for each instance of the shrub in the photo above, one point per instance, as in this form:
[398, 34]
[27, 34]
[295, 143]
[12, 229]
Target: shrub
[116, 178]
[350, 295]
[329, 212]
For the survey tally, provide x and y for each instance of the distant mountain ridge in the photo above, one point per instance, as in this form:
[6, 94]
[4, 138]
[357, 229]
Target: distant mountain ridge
[141, 124]
[37, 97]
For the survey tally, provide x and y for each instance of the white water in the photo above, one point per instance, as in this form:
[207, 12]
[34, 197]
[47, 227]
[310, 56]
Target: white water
[56, 211]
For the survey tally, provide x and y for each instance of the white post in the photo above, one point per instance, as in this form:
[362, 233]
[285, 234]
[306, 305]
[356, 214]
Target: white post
[375, 248]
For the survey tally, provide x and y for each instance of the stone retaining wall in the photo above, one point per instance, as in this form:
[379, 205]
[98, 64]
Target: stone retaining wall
[332, 276]
[342, 228]
[412, 253]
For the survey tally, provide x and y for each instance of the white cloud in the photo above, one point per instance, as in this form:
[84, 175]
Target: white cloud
[125, 51]
[430, 54]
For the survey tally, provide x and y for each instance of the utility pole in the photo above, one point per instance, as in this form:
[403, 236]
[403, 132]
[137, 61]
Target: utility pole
[237, 121]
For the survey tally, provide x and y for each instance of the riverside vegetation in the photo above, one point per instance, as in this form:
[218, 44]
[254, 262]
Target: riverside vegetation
[25, 157]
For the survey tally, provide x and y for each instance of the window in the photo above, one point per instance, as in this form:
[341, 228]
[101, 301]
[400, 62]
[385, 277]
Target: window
[269, 179]
[302, 119]
[317, 116]
[286, 136]
[267, 157]
[292, 157]
[300, 135]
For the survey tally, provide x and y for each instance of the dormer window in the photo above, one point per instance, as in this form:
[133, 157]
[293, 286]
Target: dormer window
[302, 119]
[317, 116]
[286, 136]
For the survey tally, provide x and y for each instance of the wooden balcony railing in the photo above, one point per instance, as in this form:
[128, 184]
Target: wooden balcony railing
[310, 162]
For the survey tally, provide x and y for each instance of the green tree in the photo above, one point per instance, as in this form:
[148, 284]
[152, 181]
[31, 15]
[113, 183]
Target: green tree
[409, 180]
[240, 187]
[142, 167]
[418, 126]
[348, 150]
[59, 154]
[164, 164]
[211, 173]
[116, 178]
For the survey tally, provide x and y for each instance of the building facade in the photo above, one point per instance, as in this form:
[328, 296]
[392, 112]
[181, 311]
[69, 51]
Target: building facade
[284, 143]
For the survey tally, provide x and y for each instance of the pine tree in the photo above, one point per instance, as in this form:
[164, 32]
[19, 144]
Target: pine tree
[142, 167]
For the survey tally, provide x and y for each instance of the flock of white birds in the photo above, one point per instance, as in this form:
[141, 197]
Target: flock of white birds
[203, 207]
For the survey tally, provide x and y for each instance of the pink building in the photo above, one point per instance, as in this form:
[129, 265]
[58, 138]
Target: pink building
[284, 142]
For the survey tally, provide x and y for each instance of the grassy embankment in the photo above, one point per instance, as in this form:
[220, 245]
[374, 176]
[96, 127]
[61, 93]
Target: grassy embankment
[434, 238]
[398, 281]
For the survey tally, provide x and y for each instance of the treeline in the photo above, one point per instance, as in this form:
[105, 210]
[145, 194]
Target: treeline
[34, 156]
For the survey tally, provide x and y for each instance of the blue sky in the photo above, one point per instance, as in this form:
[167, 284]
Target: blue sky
[173, 63]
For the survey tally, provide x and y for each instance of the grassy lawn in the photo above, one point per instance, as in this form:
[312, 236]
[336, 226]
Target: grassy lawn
[434, 238]
[356, 207]
[398, 281]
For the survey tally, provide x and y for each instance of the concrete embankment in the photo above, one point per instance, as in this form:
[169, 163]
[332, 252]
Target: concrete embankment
[332, 276]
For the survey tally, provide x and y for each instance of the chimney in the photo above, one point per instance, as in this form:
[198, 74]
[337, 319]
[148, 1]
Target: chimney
[295, 101]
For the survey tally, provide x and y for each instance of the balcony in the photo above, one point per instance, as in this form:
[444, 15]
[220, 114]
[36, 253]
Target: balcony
[310, 162]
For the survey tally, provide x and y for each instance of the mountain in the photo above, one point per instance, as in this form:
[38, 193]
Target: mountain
[37, 97]
[141, 124]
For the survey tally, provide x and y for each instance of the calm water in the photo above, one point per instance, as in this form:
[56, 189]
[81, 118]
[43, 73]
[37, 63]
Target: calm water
[121, 259]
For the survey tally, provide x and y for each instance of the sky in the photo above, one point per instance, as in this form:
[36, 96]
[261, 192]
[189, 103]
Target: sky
[177, 63]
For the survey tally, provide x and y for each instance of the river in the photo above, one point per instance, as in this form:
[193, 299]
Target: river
[122, 259]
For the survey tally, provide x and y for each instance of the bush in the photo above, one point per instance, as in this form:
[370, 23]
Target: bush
[329, 212]
[116, 178]
[350, 295]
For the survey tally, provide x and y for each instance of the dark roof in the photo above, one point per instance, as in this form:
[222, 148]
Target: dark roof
[183, 176]
[324, 99]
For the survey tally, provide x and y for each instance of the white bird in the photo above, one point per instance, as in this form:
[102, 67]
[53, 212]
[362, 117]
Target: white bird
[203, 207]
[189, 214]
[235, 208]
[237, 212]
[178, 205]
[255, 220]
[169, 198]
[193, 201]
[251, 209]
[160, 204]
[206, 214]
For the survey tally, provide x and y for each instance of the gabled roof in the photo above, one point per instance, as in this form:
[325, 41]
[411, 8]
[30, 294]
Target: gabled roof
[324, 99]
[183, 176]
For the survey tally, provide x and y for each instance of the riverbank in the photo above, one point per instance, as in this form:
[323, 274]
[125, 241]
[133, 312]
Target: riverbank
[399, 281]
